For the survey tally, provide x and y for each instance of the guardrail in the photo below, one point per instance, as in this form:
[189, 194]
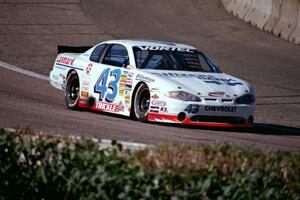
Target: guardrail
[280, 17]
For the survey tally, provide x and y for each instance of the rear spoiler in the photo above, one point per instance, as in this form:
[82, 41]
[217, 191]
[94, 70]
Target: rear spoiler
[69, 49]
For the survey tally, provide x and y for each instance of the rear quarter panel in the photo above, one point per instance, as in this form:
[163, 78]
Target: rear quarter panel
[64, 63]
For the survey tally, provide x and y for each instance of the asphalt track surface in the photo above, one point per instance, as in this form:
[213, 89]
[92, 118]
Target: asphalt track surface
[31, 30]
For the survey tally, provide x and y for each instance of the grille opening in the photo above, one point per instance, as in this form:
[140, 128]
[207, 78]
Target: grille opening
[210, 99]
[218, 119]
[227, 100]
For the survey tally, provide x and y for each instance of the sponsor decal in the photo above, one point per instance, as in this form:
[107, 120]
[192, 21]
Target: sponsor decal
[121, 106]
[158, 103]
[85, 88]
[154, 89]
[124, 73]
[84, 94]
[127, 99]
[85, 83]
[220, 108]
[163, 110]
[165, 48]
[65, 60]
[128, 87]
[143, 78]
[205, 78]
[130, 75]
[154, 109]
[126, 92]
[121, 91]
[88, 69]
[155, 96]
[123, 79]
[216, 94]
[128, 82]
[107, 106]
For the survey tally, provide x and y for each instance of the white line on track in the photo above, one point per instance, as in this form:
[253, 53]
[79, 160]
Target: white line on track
[23, 71]
[105, 142]
[43, 77]
[126, 144]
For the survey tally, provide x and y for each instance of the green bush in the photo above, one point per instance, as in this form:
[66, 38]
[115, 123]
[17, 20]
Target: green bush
[40, 166]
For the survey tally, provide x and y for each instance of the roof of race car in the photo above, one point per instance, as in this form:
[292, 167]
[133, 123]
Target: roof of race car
[132, 43]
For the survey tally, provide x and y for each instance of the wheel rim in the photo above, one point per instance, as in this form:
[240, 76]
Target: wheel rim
[143, 103]
[73, 90]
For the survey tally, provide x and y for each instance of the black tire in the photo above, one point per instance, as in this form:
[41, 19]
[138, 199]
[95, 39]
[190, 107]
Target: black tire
[72, 91]
[141, 103]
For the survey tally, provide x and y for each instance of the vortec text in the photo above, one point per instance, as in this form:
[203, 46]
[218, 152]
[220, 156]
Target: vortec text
[161, 48]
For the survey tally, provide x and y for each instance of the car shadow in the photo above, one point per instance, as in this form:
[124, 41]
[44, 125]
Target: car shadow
[257, 128]
[274, 129]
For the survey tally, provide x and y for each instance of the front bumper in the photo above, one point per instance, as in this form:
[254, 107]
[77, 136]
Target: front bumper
[213, 115]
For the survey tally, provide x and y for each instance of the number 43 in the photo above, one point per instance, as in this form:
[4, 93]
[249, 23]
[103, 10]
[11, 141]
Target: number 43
[102, 87]
[193, 108]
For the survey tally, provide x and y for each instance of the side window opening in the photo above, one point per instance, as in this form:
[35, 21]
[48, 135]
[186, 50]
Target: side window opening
[116, 56]
[96, 54]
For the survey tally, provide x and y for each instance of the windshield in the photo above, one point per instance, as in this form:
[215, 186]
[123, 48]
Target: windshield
[172, 59]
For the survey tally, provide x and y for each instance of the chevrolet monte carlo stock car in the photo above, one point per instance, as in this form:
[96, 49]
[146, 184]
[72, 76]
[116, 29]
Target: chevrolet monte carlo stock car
[152, 81]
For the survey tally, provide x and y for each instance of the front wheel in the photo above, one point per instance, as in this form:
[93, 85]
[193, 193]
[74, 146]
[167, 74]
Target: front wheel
[141, 103]
[72, 91]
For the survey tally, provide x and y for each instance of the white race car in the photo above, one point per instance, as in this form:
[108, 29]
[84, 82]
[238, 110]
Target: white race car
[153, 81]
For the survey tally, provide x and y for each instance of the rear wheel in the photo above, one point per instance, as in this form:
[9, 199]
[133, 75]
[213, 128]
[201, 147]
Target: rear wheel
[72, 91]
[141, 103]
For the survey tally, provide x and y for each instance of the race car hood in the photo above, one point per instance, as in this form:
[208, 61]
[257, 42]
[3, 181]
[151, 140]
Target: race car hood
[204, 84]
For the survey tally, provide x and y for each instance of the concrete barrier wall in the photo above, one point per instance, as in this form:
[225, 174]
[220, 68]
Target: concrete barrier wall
[262, 14]
[274, 17]
[280, 17]
[226, 3]
[288, 19]
[242, 13]
[295, 36]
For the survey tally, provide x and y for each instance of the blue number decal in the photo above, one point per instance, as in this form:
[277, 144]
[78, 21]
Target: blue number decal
[192, 109]
[113, 85]
[101, 84]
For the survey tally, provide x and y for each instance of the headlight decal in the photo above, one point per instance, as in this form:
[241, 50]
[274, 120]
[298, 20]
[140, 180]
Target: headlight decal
[182, 95]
